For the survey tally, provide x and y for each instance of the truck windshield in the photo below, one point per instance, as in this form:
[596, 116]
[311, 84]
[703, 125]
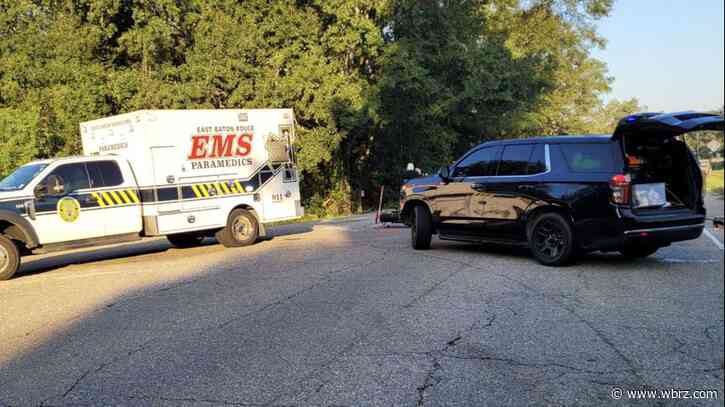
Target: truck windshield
[21, 176]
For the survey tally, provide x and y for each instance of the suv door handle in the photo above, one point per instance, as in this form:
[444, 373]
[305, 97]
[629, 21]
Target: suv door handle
[477, 186]
[525, 187]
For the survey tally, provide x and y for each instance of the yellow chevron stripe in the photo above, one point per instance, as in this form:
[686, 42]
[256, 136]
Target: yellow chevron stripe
[220, 188]
[107, 197]
[124, 196]
[203, 190]
[99, 199]
[116, 197]
[133, 195]
[225, 188]
[233, 188]
[239, 187]
[210, 188]
[196, 190]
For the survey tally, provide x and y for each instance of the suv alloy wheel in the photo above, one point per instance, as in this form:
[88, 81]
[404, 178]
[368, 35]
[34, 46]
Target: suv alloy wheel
[551, 239]
[421, 228]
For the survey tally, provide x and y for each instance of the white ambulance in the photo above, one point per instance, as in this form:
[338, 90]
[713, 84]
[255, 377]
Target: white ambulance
[183, 174]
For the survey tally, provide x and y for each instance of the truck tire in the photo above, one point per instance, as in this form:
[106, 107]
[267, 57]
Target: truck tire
[551, 239]
[421, 228]
[185, 240]
[242, 229]
[638, 252]
[9, 258]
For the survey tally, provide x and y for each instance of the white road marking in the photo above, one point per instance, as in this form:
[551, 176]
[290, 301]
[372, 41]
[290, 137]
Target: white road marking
[715, 240]
[698, 261]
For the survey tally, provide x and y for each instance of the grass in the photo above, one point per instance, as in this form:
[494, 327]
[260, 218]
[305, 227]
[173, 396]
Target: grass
[714, 183]
[303, 219]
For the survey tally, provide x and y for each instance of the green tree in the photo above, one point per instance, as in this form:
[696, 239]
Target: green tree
[374, 84]
[604, 118]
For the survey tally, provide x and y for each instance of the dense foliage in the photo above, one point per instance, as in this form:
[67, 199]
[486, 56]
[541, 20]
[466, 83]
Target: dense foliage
[375, 84]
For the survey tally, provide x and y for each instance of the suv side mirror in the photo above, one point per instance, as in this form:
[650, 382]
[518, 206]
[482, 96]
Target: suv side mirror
[445, 173]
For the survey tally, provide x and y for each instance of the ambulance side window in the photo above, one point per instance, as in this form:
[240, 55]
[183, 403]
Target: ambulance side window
[73, 177]
[104, 174]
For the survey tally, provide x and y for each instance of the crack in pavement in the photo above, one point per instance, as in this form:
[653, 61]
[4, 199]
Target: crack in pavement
[324, 279]
[327, 277]
[598, 333]
[433, 287]
[432, 378]
[100, 367]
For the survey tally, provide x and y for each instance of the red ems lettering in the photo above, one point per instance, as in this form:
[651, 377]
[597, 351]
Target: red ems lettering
[218, 146]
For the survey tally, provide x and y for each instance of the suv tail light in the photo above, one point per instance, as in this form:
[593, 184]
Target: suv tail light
[620, 185]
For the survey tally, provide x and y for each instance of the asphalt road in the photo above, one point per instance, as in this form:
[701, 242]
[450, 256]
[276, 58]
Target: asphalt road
[346, 313]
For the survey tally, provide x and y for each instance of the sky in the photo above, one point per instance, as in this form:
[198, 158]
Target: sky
[668, 54]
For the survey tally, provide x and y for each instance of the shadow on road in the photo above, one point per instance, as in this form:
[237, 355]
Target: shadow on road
[33, 265]
[170, 314]
[585, 259]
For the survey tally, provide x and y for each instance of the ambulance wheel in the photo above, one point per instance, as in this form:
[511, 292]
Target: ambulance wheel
[185, 240]
[242, 229]
[9, 258]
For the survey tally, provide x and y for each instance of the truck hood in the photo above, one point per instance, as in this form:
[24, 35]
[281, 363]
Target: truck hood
[10, 195]
[666, 125]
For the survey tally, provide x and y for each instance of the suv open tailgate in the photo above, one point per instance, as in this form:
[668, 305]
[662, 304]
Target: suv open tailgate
[666, 124]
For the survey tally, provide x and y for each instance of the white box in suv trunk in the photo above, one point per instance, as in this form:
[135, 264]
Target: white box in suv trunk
[649, 195]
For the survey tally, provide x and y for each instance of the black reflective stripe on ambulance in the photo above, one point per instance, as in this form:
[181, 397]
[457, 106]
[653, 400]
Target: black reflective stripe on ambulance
[96, 200]
[220, 188]
[115, 197]
[226, 187]
[209, 190]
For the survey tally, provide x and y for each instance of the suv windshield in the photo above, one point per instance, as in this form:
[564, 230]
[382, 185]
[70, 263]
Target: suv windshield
[21, 176]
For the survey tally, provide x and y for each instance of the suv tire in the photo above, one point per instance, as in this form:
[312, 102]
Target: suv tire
[421, 228]
[242, 229]
[185, 240]
[551, 240]
[638, 251]
[9, 258]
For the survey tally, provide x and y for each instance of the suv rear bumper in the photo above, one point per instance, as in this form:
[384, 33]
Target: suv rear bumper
[661, 228]
[666, 234]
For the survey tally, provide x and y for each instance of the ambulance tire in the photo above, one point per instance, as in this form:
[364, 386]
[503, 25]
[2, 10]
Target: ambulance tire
[242, 229]
[9, 258]
[185, 240]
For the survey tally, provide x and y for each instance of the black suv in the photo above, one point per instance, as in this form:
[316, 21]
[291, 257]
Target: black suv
[634, 191]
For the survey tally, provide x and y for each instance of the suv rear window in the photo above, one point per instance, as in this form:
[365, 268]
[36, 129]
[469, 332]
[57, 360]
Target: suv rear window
[589, 157]
[522, 159]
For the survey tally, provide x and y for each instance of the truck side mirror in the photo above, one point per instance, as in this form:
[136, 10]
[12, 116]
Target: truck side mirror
[40, 190]
[53, 185]
[445, 173]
